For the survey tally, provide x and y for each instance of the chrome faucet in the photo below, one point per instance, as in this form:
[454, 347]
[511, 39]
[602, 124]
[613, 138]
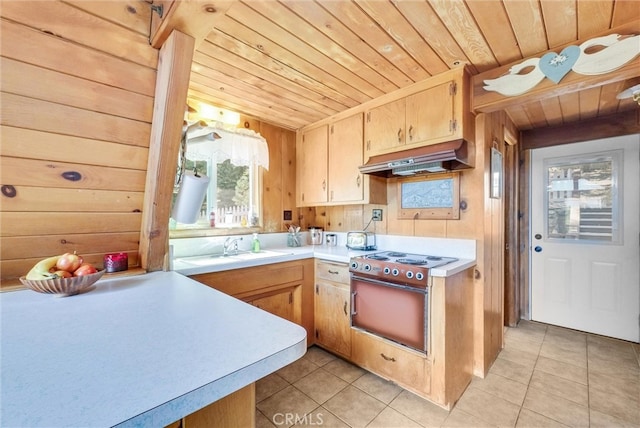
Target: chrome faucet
[228, 243]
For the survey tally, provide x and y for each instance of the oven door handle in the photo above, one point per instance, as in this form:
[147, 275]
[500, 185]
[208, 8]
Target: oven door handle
[353, 303]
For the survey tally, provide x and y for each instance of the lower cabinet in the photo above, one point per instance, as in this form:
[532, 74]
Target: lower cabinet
[284, 289]
[407, 368]
[332, 307]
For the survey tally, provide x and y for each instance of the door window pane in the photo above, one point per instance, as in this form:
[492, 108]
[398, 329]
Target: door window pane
[582, 198]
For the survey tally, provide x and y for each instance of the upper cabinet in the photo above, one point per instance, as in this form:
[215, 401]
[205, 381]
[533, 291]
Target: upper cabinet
[328, 158]
[434, 111]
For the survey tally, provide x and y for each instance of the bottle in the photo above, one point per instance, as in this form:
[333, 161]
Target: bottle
[255, 245]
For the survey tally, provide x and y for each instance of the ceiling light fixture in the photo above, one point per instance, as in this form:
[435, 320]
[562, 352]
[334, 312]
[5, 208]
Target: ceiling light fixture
[632, 92]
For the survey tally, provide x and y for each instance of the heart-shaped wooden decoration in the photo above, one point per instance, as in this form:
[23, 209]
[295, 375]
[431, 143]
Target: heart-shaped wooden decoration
[556, 66]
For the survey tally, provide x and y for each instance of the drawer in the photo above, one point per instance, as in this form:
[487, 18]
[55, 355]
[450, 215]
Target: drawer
[332, 271]
[401, 365]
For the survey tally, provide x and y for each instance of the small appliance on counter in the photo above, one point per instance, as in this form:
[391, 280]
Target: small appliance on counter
[361, 240]
[315, 234]
[332, 239]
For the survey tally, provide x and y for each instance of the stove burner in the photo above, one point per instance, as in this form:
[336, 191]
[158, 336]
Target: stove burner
[411, 261]
[396, 254]
[376, 257]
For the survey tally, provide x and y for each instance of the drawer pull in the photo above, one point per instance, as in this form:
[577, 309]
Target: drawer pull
[333, 272]
[387, 358]
[344, 308]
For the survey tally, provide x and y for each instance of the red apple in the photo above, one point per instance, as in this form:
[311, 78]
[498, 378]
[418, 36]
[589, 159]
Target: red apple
[85, 269]
[69, 262]
[63, 274]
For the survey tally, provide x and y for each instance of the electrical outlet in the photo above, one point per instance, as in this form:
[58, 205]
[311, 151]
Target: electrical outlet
[376, 215]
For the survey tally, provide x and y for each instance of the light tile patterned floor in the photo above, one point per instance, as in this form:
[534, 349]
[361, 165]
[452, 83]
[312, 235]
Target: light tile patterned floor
[545, 376]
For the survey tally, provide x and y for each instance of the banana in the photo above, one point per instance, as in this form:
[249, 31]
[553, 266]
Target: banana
[41, 269]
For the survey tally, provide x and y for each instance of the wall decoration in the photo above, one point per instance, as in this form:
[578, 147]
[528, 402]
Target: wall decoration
[435, 196]
[616, 51]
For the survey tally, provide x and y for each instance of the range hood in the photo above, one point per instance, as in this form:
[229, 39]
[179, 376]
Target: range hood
[440, 157]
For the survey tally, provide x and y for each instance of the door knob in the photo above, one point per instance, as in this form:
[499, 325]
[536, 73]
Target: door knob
[538, 249]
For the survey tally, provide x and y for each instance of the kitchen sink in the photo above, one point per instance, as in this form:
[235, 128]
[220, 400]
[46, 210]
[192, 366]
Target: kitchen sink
[220, 259]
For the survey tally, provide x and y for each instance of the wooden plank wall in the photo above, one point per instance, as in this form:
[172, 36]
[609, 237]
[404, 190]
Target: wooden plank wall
[77, 101]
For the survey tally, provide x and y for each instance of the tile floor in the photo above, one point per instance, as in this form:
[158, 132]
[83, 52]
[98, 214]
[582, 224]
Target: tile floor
[545, 376]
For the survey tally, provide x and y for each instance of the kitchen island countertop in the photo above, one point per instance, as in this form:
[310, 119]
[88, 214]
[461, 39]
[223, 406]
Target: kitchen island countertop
[143, 350]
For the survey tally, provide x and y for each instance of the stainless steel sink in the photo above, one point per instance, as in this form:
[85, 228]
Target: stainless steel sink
[220, 259]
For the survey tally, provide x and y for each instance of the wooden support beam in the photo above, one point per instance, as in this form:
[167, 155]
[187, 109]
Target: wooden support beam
[194, 18]
[613, 125]
[484, 101]
[172, 82]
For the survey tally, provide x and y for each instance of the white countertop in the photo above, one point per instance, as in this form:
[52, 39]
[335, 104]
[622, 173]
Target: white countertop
[134, 351]
[332, 253]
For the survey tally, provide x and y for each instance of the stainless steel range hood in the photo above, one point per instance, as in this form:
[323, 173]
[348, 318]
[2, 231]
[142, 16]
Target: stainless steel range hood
[449, 156]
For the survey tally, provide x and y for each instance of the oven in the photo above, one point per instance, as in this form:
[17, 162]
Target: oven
[390, 296]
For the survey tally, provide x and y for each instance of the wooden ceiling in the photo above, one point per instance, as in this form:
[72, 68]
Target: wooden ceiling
[294, 62]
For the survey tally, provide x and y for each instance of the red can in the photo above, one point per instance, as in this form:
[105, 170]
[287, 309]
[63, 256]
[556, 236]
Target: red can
[116, 262]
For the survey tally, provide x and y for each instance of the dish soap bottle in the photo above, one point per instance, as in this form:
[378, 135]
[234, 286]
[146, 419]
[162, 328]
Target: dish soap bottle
[255, 245]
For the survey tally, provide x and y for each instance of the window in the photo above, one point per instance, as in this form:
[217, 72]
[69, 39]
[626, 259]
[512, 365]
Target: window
[231, 159]
[582, 198]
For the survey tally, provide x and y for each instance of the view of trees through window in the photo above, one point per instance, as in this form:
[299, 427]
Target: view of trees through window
[231, 194]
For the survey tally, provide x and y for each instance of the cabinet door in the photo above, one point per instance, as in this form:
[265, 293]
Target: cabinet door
[345, 156]
[430, 115]
[333, 329]
[280, 304]
[312, 158]
[385, 128]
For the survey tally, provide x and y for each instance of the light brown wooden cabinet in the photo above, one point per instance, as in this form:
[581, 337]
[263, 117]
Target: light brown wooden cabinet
[332, 307]
[430, 113]
[420, 119]
[328, 158]
[283, 289]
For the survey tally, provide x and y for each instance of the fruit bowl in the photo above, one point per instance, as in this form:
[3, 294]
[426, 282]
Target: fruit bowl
[62, 286]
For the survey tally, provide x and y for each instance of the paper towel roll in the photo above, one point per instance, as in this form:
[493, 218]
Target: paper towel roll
[186, 208]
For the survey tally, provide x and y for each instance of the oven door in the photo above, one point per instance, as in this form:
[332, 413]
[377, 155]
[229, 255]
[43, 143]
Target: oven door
[389, 310]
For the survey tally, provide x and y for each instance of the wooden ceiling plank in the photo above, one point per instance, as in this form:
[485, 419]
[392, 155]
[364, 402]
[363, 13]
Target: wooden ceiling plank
[292, 32]
[560, 21]
[594, 17]
[570, 104]
[552, 111]
[608, 103]
[273, 102]
[536, 114]
[253, 74]
[486, 101]
[625, 11]
[493, 21]
[259, 50]
[373, 35]
[519, 117]
[397, 27]
[460, 23]
[589, 103]
[221, 80]
[346, 47]
[526, 19]
[80, 27]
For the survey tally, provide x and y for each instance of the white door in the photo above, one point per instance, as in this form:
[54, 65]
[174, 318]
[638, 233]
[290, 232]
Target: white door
[585, 233]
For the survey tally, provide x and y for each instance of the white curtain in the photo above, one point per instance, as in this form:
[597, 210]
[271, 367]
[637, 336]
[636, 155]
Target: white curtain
[241, 146]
